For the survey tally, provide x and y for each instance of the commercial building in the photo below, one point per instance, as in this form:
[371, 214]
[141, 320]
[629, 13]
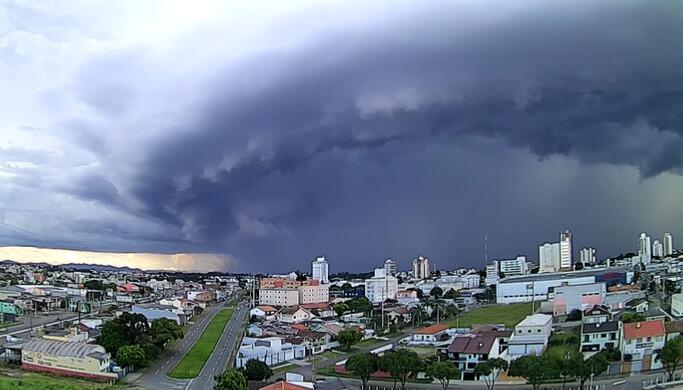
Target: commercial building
[67, 359]
[587, 255]
[514, 267]
[536, 286]
[390, 267]
[421, 268]
[321, 270]
[381, 286]
[668, 244]
[578, 297]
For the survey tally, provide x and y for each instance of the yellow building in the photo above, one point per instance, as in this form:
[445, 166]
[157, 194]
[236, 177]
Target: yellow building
[67, 359]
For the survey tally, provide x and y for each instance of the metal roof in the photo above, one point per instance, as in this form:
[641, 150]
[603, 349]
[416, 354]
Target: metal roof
[562, 275]
[62, 348]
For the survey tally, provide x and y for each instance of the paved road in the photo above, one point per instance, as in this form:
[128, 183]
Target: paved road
[29, 322]
[155, 377]
[223, 353]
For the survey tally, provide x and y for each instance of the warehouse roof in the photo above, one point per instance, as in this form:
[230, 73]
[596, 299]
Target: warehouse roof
[63, 348]
[561, 275]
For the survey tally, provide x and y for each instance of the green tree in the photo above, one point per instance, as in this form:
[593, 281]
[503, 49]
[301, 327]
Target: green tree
[340, 309]
[256, 370]
[401, 363]
[127, 329]
[348, 337]
[362, 365]
[585, 368]
[132, 356]
[535, 369]
[670, 355]
[231, 379]
[436, 292]
[444, 372]
[490, 370]
[93, 284]
[164, 330]
[451, 294]
[359, 305]
[628, 318]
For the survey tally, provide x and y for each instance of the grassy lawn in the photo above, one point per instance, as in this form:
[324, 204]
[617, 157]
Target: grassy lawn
[193, 362]
[560, 343]
[34, 381]
[324, 356]
[509, 315]
[282, 368]
[423, 351]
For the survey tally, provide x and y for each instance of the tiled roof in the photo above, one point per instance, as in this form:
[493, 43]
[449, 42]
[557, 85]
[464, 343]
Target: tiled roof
[473, 343]
[610, 326]
[637, 330]
[432, 329]
[283, 386]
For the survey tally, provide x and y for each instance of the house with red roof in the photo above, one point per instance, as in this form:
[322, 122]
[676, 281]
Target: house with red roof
[643, 341]
[432, 334]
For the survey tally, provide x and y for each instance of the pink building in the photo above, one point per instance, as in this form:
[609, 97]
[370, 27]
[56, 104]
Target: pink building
[578, 297]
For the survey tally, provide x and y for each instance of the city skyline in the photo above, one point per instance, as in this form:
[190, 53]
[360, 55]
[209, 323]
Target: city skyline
[260, 137]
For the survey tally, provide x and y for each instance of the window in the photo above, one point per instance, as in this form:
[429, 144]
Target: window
[640, 340]
[603, 335]
[586, 338]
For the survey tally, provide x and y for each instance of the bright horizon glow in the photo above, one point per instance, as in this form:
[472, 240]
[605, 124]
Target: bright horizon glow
[200, 262]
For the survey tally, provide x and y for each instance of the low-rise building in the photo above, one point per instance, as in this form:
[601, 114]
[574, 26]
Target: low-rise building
[279, 296]
[314, 294]
[294, 314]
[530, 336]
[677, 305]
[596, 314]
[432, 334]
[600, 335]
[476, 347]
[270, 350]
[643, 341]
[67, 359]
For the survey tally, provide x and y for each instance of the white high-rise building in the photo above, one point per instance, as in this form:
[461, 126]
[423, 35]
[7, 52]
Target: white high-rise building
[588, 255]
[566, 250]
[492, 273]
[513, 267]
[644, 248]
[381, 286]
[549, 257]
[668, 244]
[421, 268]
[657, 249]
[390, 267]
[321, 270]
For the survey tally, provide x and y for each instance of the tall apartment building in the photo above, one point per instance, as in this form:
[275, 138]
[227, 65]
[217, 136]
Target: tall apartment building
[513, 267]
[381, 286]
[657, 249]
[321, 269]
[279, 296]
[588, 255]
[668, 241]
[644, 248]
[566, 250]
[390, 267]
[421, 268]
[314, 294]
[290, 292]
[549, 257]
[492, 273]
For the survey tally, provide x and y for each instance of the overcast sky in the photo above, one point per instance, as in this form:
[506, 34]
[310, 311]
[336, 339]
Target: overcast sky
[272, 134]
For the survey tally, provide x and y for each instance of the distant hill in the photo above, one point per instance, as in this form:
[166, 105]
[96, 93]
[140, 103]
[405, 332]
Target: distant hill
[79, 266]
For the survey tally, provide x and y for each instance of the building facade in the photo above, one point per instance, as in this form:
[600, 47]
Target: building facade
[314, 294]
[390, 267]
[321, 270]
[381, 286]
[549, 257]
[645, 248]
[600, 335]
[67, 359]
[421, 268]
[513, 267]
[588, 255]
[668, 242]
[566, 251]
[279, 296]
[578, 297]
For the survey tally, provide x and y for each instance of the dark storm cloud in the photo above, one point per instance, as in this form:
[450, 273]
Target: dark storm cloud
[602, 84]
